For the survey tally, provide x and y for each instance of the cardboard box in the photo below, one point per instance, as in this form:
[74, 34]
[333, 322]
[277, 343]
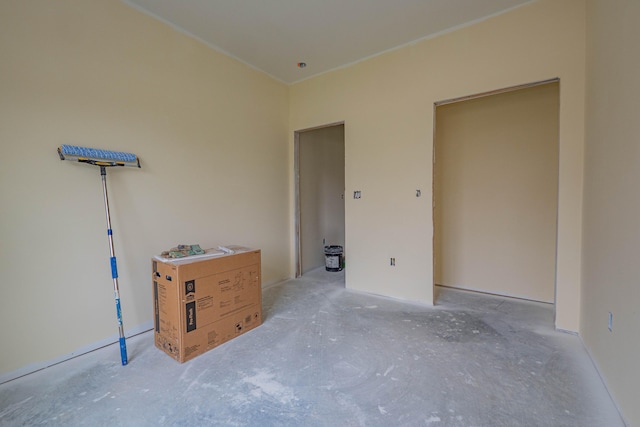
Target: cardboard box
[203, 302]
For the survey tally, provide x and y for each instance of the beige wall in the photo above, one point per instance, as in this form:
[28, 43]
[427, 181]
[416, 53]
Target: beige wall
[611, 270]
[321, 171]
[211, 135]
[496, 192]
[387, 105]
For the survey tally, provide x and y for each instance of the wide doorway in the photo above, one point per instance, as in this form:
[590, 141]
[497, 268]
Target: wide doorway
[320, 184]
[496, 192]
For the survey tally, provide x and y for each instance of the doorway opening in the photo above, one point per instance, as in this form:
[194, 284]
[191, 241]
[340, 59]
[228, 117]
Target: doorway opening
[495, 192]
[319, 165]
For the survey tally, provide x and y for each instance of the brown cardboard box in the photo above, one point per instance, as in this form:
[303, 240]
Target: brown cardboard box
[204, 301]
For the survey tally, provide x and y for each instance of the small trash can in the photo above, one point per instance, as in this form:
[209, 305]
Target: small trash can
[333, 258]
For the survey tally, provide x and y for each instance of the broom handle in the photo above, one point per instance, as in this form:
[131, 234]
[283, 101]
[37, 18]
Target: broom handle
[114, 268]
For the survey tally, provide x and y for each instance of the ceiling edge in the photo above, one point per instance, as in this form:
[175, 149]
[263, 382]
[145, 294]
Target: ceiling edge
[416, 41]
[184, 32]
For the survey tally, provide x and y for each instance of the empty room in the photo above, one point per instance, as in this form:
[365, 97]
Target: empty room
[480, 187]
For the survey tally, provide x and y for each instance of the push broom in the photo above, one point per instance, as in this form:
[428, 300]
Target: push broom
[105, 159]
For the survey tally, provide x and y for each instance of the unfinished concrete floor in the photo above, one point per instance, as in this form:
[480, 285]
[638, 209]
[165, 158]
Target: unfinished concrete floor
[326, 356]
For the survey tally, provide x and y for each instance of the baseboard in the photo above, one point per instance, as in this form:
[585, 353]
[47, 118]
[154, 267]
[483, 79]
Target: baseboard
[144, 327]
[606, 387]
[272, 283]
[481, 291]
[570, 332]
[34, 367]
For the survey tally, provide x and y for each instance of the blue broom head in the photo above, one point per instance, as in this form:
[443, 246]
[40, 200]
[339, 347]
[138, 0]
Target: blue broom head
[98, 157]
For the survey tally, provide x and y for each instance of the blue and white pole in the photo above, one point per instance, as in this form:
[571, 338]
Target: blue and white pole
[114, 268]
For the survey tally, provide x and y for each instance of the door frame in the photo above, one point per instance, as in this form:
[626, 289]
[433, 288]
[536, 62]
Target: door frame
[296, 172]
[482, 95]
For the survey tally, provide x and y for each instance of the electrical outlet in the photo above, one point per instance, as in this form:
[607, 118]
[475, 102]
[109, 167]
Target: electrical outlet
[393, 262]
[357, 194]
[610, 322]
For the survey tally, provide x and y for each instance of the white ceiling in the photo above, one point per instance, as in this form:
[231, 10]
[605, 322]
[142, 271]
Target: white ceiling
[274, 35]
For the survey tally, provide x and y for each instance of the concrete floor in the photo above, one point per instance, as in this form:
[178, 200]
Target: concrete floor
[326, 356]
